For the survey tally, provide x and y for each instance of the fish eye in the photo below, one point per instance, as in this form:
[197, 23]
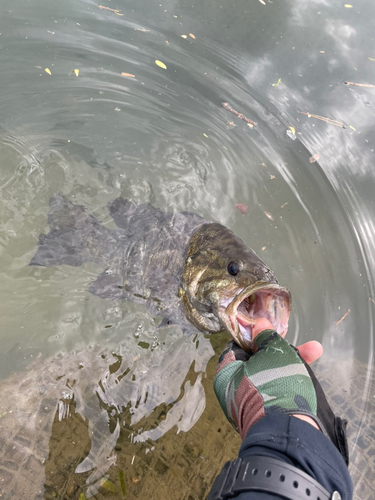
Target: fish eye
[233, 268]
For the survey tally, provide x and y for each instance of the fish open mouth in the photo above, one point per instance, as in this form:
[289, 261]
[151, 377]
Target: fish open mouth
[262, 300]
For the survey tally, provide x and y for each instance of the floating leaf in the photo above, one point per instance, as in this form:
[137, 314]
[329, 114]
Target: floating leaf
[122, 483]
[371, 59]
[48, 71]
[277, 84]
[292, 129]
[242, 207]
[263, 2]
[314, 158]
[141, 29]
[270, 216]
[76, 72]
[191, 35]
[160, 64]
[128, 74]
[352, 128]
[183, 36]
[348, 6]
[206, 135]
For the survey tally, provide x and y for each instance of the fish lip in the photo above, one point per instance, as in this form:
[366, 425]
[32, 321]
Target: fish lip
[281, 308]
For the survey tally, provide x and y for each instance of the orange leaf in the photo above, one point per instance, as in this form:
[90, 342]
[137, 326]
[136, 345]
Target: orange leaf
[242, 207]
[128, 74]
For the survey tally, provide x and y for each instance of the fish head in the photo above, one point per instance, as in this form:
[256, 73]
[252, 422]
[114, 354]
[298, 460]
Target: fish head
[227, 286]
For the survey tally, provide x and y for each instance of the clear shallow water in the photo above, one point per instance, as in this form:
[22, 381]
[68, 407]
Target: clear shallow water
[163, 137]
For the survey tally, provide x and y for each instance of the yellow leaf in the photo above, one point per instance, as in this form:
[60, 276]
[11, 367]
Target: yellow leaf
[76, 72]
[128, 74]
[160, 64]
[371, 59]
[292, 129]
[348, 6]
[277, 84]
[191, 35]
[108, 485]
[48, 71]
[183, 36]
[205, 135]
[351, 127]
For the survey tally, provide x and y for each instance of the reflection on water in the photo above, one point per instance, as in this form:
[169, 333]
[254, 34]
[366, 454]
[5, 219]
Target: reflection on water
[91, 403]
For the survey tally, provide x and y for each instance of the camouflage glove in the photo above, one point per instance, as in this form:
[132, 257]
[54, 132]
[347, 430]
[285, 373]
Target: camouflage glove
[274, 378]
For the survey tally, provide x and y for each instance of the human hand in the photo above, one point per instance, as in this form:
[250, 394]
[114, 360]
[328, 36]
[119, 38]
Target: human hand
[274, 378]
[309, 351]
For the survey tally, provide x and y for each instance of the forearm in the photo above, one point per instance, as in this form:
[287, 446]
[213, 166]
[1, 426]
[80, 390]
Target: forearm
[297, 443]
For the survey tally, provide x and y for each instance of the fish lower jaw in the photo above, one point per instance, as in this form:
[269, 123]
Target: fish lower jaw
[240, 315]
[246, 332]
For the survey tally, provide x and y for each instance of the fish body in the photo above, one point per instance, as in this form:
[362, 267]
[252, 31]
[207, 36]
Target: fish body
[192, 272]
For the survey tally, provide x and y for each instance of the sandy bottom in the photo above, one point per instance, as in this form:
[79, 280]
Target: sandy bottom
[38, 462]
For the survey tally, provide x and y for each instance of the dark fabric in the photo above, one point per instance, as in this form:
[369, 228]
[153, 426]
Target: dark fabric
[334, 426]
[298, 443]
[238, 352]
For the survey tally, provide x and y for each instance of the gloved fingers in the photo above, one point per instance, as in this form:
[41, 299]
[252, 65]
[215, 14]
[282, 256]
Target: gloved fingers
[265, 337]
[235, 351]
